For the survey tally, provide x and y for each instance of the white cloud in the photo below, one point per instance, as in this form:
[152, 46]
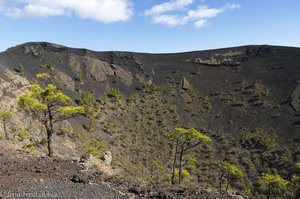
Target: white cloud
[169, 6]
[199, 16]
[231, 6]
[204, 12]
[200, 23]
[170, 20]
[105, 11]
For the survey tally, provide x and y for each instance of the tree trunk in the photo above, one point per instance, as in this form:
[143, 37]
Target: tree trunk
[269, 193]
[174, 162]
[227, 185]
[180, 164]
[49, 141]
[49, 127]
[221, 178]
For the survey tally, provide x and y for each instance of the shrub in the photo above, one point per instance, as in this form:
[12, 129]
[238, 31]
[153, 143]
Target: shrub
[42, 75]
[93, 147]
[260, 91]
[21, 69]
[155, 87]
[32, 147]
[115, 93]
[23, 134]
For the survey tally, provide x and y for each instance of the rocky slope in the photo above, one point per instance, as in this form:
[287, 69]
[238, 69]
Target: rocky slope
[225, 76]
[26, 176]
[246, 98]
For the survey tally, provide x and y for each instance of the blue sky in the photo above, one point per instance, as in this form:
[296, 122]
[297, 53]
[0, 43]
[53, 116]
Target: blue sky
[150, 25]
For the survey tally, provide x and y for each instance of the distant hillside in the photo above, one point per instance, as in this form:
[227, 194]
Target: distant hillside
[246, 98]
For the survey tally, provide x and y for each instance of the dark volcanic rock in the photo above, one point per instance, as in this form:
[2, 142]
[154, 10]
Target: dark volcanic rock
[125, 76]
[296, 98]
[77, 179]
[58, 178]
[276, 68]
[232, 92]
[97, 69]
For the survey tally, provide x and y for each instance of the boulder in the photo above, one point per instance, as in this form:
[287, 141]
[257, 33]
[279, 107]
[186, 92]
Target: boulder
[78, 179]
[74, 62]
[98, 70]
[65, 80]
[185, 84]
[295, 98]
[125, 76]
[107, 157]
[186, 98]
[33, 50]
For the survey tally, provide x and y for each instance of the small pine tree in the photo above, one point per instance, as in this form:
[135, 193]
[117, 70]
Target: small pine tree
[49, 105]
[6, 117]
[273, 182]
[230, 172]
[184, 140]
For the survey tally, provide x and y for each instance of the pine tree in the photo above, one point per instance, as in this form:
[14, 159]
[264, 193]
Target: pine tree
[185, 139]
[5, 117]
[273, 182]
[49, 105]
[230, 172]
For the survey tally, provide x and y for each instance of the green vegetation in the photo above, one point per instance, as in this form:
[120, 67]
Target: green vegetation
[6, 117]
[31, 147]
[23, 134]
[143, 126]
[185, 139]
[295, 181]
[88, 101]
[116, 94]
[273, 182]
[156, 170]
[260, 91]
[155, 88]
[147, 124]
[295, 185]
[42, 75]
[91, 108]
[147, 84]
[230, 172]
[259, 141]
[21, 69]
[190, 162]
[50, 106]
[93, 147]
[186, 176]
